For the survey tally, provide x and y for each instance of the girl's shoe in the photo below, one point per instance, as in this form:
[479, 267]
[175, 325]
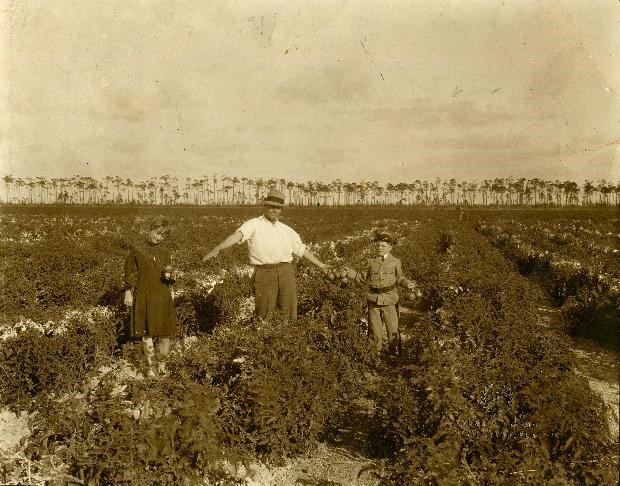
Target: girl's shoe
[153, 372]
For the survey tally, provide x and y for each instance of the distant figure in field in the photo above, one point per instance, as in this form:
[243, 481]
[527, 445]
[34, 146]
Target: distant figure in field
[271, 246]
[383, 274]
[148, 277]
[462, 213]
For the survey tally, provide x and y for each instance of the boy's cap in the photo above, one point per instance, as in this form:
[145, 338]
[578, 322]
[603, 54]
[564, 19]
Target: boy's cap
[274, 198]
[384, 236]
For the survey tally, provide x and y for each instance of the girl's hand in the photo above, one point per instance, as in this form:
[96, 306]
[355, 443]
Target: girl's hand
[128, 298]
[167, 274]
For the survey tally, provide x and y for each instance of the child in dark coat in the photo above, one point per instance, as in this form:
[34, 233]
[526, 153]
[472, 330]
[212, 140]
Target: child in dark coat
[148, 276]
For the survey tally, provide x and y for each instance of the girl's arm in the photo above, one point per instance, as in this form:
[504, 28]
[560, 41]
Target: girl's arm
[170, 273]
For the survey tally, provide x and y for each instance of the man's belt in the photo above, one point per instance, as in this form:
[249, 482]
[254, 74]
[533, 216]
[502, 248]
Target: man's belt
[267, 266]
[382, 290]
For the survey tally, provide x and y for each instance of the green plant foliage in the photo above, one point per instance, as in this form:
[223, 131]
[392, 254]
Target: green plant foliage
[579, 260]
[37, 360]
[480, 394]
[131, 433]
[199, 310]
[486, 399]
[277, 396]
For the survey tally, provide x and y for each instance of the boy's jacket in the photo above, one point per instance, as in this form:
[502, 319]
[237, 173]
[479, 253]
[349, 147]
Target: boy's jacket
[382, 277]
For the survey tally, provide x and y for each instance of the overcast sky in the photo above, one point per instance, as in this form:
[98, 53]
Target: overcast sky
[358, 90]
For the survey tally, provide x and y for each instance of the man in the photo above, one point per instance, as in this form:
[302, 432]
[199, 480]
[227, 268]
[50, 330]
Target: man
[271, 246]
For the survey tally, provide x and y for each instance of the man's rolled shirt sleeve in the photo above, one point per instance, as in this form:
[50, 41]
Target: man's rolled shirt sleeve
[247, 230]
[297, 245]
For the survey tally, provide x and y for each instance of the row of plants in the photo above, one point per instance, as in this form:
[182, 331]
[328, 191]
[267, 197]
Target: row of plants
[593, 242]
[586, 284]
[480, 393]
[52, 261]
[483, 394]
[237, 390]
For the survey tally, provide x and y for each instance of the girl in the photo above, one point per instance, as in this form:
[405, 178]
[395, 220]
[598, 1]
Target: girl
[152, 313]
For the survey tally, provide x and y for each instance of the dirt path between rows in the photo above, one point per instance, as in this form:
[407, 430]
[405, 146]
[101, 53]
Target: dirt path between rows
[595, 363]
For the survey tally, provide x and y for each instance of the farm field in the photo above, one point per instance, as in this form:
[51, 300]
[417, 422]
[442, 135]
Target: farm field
[488, 389]
[577, 258]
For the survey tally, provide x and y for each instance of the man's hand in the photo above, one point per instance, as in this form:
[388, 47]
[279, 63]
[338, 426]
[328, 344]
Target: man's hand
[410, 286]
[128, 298]
[212, 254]
[325, 269]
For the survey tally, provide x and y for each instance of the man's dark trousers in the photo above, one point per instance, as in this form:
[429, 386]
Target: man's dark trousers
[274, 286]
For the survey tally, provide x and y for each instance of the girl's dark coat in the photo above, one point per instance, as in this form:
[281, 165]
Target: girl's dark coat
[153, 311]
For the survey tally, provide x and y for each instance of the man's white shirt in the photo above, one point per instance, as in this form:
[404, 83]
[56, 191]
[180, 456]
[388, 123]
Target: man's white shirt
[270, 243]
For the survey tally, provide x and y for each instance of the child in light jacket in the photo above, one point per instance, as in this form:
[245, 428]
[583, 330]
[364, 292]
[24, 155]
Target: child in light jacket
[383, 274]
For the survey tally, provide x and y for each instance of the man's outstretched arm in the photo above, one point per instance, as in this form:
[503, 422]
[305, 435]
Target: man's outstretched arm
[233, 239]
[308, 255]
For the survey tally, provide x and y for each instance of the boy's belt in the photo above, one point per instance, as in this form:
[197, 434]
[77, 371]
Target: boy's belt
[382, 290]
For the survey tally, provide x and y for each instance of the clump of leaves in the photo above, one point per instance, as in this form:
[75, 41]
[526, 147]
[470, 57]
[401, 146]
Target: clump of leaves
[34, 363]
[134, 431]
[277, 395]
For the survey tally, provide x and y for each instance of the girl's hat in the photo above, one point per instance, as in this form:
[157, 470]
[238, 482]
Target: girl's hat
[159, 222]
[384, 236]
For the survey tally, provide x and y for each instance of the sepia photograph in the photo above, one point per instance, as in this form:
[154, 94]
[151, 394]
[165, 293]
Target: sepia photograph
[309, 243]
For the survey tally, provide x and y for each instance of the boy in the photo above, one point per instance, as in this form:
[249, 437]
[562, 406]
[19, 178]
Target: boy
[383, 274]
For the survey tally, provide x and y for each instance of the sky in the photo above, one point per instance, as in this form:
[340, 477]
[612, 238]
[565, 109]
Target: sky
[383, 90]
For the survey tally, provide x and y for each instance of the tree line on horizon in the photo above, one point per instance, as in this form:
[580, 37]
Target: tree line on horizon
[227, 190]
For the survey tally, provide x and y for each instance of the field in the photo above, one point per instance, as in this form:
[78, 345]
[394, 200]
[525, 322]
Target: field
[487, 389]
